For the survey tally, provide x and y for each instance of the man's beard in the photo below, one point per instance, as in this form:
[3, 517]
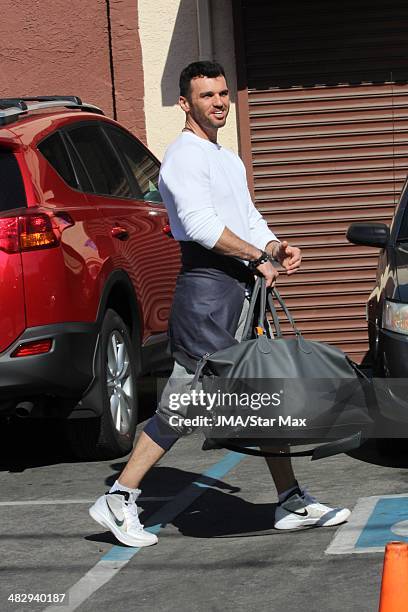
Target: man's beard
[205, 122]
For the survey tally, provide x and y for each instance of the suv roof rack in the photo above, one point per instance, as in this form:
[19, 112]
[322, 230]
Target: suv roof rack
[12, 108]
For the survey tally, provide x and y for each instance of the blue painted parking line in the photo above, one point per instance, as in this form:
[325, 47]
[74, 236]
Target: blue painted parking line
[184, 499]
[374, 522]
[387, 513]
[118, 556]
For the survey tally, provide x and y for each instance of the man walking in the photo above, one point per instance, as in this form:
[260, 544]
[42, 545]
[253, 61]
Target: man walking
[223, 240]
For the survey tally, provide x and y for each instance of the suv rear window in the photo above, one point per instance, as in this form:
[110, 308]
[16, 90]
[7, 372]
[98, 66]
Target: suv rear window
[100, 161]
[143, 167]
[12, 194]
[55, 153]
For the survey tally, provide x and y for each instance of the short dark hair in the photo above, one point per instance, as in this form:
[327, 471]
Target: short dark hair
[198, 69]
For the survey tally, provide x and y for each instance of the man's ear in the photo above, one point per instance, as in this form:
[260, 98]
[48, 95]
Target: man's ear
[184, 103]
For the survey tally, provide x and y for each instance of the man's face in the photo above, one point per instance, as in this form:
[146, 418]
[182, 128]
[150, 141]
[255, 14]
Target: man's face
[208, 102]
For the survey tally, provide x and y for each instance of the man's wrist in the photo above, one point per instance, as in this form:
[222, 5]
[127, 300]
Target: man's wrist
[251, 253]
[272, 248]
[254, 263]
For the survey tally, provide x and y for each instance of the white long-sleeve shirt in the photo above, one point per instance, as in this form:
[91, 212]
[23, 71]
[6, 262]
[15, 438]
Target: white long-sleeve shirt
[204, 188]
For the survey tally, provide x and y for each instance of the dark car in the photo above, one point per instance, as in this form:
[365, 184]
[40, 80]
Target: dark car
[87, 270]
[387, 308]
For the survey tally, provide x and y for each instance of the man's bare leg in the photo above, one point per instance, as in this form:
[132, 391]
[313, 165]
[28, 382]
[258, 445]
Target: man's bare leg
[117, 509]
[281, 470]
[144, 455]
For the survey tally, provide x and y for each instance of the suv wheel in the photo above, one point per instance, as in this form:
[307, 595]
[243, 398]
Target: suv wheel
[112, 434]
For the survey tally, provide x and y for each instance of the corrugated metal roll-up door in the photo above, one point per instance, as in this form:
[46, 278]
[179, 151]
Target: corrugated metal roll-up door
[328, 109]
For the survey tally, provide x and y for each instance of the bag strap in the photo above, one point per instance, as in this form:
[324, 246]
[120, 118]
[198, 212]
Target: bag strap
[259, 286]
[285, 309]
[275, 316]
[329, 449]
[360, 373]
[262, 305]
[247, 450]
[274, 293]
[266, 303]
[252, 304]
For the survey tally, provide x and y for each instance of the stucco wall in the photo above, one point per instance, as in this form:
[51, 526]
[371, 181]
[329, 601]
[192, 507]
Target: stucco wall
[127, 66]
[169, 41]
[51, 47]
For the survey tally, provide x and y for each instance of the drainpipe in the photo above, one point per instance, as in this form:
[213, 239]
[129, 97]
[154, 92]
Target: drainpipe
[204, 26]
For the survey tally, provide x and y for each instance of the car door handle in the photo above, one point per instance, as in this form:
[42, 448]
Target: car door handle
[119, 232]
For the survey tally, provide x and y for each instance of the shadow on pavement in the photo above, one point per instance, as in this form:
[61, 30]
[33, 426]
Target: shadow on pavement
[105, 538]
[26, 443]
[219, 512]
[168, 481]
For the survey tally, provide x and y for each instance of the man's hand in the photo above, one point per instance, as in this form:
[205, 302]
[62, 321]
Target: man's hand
[288, 256]
[269, 272]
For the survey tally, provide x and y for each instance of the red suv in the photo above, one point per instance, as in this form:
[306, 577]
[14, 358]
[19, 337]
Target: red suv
[87, 270]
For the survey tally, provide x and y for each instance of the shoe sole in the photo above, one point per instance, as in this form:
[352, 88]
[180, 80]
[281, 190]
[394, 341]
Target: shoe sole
[134, 543]
[335, 520]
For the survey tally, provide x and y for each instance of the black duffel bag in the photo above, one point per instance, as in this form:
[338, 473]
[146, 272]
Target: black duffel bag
[305, 391]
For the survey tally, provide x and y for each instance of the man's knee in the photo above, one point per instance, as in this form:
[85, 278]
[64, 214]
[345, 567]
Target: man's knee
[160, 432]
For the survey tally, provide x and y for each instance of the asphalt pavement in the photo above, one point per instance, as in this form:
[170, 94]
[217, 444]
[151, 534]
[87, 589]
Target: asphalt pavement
[217, 550]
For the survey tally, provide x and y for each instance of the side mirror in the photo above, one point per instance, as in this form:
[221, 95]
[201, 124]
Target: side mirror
[369, 234]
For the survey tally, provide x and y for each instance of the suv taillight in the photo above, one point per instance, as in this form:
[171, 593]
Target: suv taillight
[32, 231]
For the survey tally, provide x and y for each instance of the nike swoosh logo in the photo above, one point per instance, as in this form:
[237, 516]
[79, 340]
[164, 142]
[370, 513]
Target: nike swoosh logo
[304, 513]
[115, 518]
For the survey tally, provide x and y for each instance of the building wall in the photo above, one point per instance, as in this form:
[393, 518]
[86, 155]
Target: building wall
[169, 40]
[122, 55]
[90, 49]
[127, 66]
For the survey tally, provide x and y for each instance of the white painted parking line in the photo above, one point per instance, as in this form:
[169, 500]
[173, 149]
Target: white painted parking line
[374, 521]
[56, 502]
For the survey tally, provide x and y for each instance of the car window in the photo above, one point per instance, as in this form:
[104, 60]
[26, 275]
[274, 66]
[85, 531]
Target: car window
[82, 176]
[143, 167]
[56, 154]
[101, 163]
[12, 193]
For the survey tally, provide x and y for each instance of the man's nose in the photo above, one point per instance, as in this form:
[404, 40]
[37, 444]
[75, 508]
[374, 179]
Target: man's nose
[217, 101]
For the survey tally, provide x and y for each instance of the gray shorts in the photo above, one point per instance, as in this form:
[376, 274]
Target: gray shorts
[180, 382]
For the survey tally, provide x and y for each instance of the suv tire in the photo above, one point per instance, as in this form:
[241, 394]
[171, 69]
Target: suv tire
[112, 434]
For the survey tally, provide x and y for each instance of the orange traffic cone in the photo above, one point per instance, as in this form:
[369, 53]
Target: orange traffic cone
[394, 584]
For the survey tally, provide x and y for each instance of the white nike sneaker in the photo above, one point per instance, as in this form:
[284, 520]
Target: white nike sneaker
[118, 512]
[300, 509]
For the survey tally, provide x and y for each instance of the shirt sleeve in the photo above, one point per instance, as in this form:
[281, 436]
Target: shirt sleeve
[187, 177]
[260, 232]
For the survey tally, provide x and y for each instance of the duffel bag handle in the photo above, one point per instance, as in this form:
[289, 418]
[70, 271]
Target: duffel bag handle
[247, 333]
[250, 315]
[266, 303]
[285, 309]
